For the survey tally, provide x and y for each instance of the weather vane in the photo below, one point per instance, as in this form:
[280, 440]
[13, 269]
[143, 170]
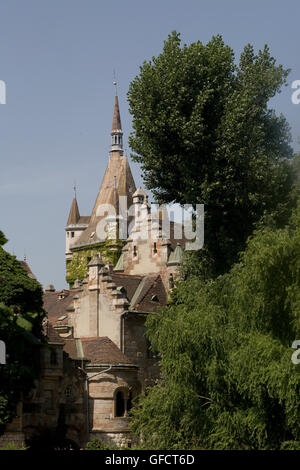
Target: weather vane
[74, 187]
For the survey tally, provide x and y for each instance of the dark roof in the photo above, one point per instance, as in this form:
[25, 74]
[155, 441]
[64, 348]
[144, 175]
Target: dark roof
[150, 295]
[71, 349]
[97, 350]
[129, 282]
[51, 335]
[141, 289]
[56, 306]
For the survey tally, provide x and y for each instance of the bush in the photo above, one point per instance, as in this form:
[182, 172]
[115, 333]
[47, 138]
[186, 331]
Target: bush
[97, 444]
[14, 446]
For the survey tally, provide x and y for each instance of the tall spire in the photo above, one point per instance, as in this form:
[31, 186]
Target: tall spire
[116, 129]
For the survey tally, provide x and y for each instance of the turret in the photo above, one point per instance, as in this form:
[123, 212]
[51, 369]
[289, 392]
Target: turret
[75, 226]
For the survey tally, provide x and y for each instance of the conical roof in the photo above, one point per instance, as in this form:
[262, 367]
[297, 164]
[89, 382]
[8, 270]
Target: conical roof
[74, 215]
[117, 181]
[116, 122]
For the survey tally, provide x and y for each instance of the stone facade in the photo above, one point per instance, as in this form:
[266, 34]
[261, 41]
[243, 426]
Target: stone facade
[99, 358]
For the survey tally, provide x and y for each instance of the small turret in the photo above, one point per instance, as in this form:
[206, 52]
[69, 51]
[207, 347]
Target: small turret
[74, 214]
[75, 226]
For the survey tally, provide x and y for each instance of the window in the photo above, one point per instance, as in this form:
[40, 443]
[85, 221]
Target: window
[68, 392]
[120, 404]
[154, 248]
[150, 353]
[134, 251]
[72, 234]
[53, 357]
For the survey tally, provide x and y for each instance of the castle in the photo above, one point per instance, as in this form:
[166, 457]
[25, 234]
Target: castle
[98, 358]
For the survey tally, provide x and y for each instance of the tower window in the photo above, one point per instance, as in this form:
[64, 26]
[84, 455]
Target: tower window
[154, 248]
[72, 234]
[120, 404]
[134, 251]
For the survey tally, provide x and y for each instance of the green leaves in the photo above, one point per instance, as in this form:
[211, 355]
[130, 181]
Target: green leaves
[21, 315]
[203, 133]
[228, 381]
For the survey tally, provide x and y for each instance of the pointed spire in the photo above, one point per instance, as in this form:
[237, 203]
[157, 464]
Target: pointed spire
[116, 122]
[74, 215]
[116, 128]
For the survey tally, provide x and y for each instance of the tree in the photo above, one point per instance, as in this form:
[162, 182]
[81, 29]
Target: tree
[203, 133]
[21, 315]
[228, 381]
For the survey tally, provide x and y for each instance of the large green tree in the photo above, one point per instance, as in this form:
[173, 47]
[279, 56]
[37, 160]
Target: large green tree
[21, 315]
[228, 381]
[203, 133]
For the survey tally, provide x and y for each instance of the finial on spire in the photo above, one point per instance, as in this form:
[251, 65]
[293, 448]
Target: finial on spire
[115, 83]
[74, 188]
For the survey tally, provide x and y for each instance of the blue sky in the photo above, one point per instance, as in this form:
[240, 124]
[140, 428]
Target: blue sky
[57, 59]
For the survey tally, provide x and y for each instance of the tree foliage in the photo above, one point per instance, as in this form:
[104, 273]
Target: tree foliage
[203, 133]
[21, 315]
[228, 381]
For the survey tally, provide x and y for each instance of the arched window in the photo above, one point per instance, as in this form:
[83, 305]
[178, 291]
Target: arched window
[120, 404]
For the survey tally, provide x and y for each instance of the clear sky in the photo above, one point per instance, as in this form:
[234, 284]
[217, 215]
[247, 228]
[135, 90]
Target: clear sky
[57, 59]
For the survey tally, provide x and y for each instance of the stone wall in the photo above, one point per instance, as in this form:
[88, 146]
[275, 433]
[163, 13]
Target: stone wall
[137, 349]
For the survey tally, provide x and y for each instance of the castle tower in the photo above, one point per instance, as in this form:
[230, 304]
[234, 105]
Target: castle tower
[75, 226]
[86, 236]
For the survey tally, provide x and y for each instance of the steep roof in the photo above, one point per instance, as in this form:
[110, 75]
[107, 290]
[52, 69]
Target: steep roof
[117, 181]
[29, 272]
[74, 215]
[142, 290]
[116, 122]
[150, 295]
[56, 304]
[129, 282]
[96, 350]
